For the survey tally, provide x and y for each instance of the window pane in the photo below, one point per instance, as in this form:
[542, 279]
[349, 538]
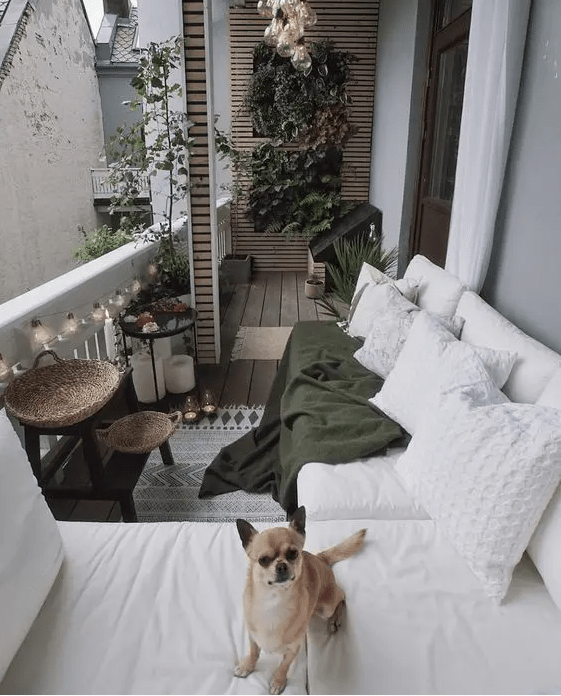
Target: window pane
[452, 9]
[451, 77]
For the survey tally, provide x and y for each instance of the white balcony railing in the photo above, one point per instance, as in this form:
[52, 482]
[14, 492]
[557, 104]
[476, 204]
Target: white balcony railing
[104, 190]
[74, 292]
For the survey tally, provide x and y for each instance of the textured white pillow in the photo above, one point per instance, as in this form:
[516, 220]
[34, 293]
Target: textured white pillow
[408, 389]
[545, 546]
[372, 276]
[485, 473]
[30, 545]
[390, 324]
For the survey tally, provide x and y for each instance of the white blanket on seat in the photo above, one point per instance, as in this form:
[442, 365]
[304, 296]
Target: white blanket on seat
[417, 620]
[144, 608]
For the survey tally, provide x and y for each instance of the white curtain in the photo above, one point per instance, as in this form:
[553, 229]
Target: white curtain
[496, 49]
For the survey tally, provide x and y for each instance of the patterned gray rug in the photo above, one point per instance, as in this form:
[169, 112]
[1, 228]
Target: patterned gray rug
[169, 493]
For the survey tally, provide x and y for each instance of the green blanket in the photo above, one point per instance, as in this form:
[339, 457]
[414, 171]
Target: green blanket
[318, 411]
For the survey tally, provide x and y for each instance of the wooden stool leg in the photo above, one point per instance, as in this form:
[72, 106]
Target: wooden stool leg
[165, 451]
[127, 508]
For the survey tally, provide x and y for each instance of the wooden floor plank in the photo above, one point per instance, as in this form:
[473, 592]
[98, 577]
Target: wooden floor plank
[289, 299]
[238, 382]
[255, 300]
[306, 307]
[272, 303]
[264, 372]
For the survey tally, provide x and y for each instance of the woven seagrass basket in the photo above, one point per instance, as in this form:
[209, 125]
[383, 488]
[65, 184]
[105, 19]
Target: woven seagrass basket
[61, 394]
[140, 432]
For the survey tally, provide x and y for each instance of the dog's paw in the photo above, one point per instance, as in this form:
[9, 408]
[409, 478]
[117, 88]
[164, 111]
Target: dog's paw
[277, 686]
[243, 669]
[333, 625]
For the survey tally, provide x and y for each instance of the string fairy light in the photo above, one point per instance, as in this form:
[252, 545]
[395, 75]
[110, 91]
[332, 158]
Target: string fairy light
[5, 369]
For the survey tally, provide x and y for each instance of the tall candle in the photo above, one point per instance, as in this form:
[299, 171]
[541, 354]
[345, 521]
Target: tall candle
[143, 377]
[179, 374]
[109, 333]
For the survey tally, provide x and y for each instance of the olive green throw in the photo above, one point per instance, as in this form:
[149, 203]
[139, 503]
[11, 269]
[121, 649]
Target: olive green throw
[318, 411]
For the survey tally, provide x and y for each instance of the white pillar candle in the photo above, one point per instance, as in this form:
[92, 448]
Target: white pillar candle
[143, 377]
[162, 346]
[180, 374]
[109, 333]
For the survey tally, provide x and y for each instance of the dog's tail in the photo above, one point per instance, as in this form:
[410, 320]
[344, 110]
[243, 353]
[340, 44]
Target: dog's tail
[345, 549]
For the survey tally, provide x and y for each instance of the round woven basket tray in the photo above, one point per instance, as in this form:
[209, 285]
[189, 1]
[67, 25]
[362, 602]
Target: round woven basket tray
[63, 393]
[140, 432]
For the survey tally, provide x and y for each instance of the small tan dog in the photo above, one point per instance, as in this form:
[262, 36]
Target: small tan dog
[285, 586]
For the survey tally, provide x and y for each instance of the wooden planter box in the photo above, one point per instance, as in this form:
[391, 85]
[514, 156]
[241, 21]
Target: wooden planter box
[235, 269]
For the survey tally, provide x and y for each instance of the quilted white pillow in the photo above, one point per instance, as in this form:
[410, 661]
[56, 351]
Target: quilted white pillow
[372, 276]
[390, 322]
[545, 546]
[408, 389]
[485, 473]
[30, 545]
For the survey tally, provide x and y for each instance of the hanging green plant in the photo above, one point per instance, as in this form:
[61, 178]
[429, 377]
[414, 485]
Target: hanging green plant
[283, 102]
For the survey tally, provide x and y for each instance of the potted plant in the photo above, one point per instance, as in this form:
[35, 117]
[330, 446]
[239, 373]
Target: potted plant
[164, 154]
[314, 288]
[350, 255]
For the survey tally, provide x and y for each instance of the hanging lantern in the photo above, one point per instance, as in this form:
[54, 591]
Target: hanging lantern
[286, 30]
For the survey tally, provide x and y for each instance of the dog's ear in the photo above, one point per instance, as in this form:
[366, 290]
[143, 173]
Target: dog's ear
[246, 531]
[298, 520]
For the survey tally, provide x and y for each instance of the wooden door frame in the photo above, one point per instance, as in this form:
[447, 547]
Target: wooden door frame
[440, 40]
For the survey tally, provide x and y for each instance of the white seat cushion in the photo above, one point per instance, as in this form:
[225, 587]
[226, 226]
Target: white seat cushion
[418, 622]
[30, 545]
[144, 608]
[439, 291]
[365, 489]
[535, 363]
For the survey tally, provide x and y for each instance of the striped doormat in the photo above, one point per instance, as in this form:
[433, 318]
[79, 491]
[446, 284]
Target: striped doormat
[170, 493]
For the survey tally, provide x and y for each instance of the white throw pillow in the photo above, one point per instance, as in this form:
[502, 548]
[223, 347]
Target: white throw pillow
[485, 473]
[408, 389]
[391, 321]
[545, 546]
[30, 545]
[372, 276]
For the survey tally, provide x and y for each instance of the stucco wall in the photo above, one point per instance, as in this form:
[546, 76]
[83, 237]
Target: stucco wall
[523, 281]
[51, 136]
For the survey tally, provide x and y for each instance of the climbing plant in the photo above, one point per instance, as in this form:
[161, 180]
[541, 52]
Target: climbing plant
[295, 190]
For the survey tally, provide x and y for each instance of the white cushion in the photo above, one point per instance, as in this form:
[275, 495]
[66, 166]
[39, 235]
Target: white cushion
[484, 470]
[545, 546]
[369, 275]
[364, 489]
[484, 326]
[407, 391]
[30, 545]
[439, 291]
[390, 321]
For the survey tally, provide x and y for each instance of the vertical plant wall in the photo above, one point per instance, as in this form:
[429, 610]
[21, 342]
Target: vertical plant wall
[303, 140]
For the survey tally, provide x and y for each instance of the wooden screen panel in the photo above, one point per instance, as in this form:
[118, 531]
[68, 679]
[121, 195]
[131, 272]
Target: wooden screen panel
[199, 174]
[352, 26]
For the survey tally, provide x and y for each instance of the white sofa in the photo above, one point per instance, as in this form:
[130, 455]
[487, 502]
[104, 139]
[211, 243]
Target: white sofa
[156, 608]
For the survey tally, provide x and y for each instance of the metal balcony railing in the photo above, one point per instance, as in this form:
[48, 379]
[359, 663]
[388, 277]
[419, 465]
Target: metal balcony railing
[103, 190]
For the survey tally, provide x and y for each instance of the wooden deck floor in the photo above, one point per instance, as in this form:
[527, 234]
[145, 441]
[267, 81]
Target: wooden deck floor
[271, 299]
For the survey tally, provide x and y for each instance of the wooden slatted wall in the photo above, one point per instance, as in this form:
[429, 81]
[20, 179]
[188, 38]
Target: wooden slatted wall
[199, 174]
[351, 25]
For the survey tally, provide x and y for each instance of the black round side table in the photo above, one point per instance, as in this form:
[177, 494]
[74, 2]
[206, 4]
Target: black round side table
[169, 324]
